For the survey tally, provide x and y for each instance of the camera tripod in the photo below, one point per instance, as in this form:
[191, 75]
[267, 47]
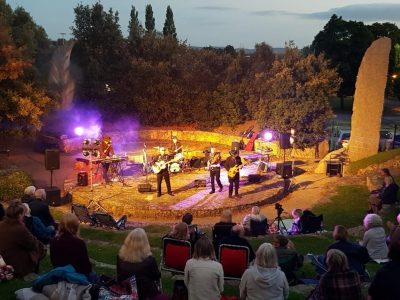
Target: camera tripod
[280, 225]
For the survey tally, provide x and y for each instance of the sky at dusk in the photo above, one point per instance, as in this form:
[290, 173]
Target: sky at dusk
[240, 23]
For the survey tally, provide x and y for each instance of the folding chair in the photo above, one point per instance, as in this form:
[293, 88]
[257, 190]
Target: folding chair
[311, 223]
[83, 214]
[175, 255]
[258, 227]
[106, 220]
[234, 260]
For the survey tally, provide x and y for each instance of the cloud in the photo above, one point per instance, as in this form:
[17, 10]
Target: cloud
[359, 12]
[217, 8]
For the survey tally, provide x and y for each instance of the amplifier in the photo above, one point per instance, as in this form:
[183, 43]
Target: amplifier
[200, 182]
[53, 196]
[144, 187]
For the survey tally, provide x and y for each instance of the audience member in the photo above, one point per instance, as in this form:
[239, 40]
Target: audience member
[288, 258]
[68, 248]
[18, 246]
[2, 213]
[135, 258]
[339, 282]
[29, 194]
[187, 218]
[254, 215]
[36, 227]
[180, 232]
[392, 227]
[374, 238]
[387, 194]
[237, 238]
[204, 276]
[40, 209]
[296, 227]
[194, 232]
[264, 280]
[385, 284]
[357, 256]
[222, 228]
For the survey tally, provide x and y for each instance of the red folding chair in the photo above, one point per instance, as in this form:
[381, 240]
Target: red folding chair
[234, 260]
[175, 255]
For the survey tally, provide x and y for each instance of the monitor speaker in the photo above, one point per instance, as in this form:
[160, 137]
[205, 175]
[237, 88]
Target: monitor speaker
[144, 187]
[334, 168]
[83, 179]
[200, 183]
[254, 178]
[52, 159]
[284, 141]
[284, 169]
[53, 196]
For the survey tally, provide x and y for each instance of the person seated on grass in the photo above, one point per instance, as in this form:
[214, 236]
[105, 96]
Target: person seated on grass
[385, 284]
[255, 215]
[386, 195]
[68, 248]
[203, 275]
[339, 282]
[374, 238]
[264, 279]
[392, 227]
[40, 209]
[296, 227]
[18, 247]
[29, 194]
[237, 238]
[36, 227]
[135, 258]
[288, 258]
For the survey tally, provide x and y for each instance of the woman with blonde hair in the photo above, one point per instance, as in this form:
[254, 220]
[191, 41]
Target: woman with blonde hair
[135, 258]
[264, 280]
[204, 276]
[68, 248]
[374, 237]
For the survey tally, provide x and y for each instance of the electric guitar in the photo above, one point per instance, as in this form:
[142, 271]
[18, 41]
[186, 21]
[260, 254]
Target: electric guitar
[160, 165]
[234, 170]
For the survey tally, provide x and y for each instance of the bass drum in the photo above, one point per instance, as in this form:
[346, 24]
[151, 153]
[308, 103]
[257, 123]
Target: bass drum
[174, 167]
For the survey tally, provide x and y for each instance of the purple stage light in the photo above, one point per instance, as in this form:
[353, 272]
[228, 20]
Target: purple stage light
[267, 136]
[79, 131]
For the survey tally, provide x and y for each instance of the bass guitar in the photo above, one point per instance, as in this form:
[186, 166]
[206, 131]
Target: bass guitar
[160, 165]
[234, 170]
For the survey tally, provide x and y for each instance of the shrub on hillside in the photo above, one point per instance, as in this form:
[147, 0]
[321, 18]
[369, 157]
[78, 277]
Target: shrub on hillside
[12, 183]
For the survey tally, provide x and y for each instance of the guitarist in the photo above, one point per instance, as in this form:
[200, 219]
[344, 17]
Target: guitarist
[176, 146]
[232, 164]
[164, 173]
[214, 165]
[106, 151]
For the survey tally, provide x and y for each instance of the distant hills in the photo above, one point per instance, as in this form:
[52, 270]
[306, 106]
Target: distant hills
[246, 50]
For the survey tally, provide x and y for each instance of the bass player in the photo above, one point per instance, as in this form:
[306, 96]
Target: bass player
[160, 162]
[232, 165]
[214, 165]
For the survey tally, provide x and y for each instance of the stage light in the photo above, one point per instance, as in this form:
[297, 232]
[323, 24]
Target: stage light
[267, 136]
[86, 142]
[96, 153]
[291, 139]
[85, 153]
[292, 132]
[96, 142]
[79, 131]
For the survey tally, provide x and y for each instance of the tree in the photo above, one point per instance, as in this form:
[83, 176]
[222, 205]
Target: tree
[135, 29]
[169, 25]
[150, 23]
[296, 96]
[344, 44]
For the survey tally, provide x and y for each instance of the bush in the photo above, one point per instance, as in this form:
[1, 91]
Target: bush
[13, 183]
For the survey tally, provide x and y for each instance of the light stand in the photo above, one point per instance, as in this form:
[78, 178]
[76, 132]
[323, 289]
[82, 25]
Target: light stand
[293, 181]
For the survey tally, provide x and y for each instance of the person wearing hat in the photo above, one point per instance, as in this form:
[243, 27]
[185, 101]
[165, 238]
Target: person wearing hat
[232, 165]
[162, 160]
[214, 165]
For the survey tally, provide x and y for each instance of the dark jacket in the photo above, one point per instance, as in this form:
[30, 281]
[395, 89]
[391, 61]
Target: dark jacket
[68, 249]
[234, 239]
[41, 210]
[389, 194]
[357, 255]
[231, 162]
[289, 261]
[37, 228]
[19, 247]
[146, 272]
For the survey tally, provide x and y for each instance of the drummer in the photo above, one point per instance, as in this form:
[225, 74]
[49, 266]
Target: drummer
[176, 148]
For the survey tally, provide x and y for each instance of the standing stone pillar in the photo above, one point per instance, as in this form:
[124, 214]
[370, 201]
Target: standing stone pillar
[368, 100]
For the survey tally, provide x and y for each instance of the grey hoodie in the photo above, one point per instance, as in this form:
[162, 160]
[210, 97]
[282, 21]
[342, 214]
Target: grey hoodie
[260, 283]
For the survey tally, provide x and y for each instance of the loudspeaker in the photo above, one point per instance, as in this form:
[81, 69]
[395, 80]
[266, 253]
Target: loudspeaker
[144, 187]
[334, 168]
[83, 178]
[195, 162]
[200, 182]
[284, 141]
[52, 159]
[53, 196]
[254, 178]
[284, 169]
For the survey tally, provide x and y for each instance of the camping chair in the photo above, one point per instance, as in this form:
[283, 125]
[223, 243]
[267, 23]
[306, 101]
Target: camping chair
[311, 223]
[234, 260]
[258, 227]
[175, 255]
[83, 214]
[106, 220]
[219, 231]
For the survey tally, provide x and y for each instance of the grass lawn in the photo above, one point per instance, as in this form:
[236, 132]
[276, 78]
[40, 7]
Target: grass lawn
[346, 208]
[372, 160]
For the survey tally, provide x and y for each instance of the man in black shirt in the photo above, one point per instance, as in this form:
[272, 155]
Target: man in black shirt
[214, 165]
[160, 165]
[232, 165]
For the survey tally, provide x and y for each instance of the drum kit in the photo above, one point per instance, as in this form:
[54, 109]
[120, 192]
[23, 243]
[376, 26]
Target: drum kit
[178, 162]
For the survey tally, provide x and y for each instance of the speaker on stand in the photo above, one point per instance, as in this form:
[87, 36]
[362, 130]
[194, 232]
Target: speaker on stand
[52, 162]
